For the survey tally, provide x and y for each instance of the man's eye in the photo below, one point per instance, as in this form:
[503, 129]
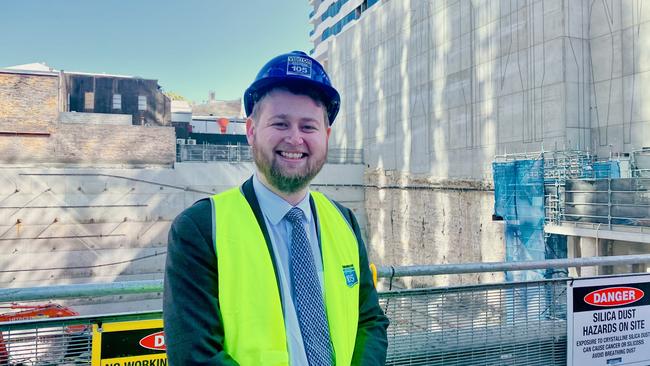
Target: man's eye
[279, 124]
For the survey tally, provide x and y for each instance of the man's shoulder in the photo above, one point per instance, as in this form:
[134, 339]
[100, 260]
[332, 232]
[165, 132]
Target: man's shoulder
[199, 211]
[199, 215]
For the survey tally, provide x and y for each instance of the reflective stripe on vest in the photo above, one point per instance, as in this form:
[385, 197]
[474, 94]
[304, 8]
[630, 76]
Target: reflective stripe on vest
[249, 298]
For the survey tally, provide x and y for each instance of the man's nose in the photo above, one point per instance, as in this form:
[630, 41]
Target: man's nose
[294, 136]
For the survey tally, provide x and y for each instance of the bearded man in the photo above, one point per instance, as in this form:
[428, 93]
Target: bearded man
[271, 273]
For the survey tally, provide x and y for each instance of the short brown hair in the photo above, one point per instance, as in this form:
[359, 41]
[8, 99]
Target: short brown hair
[293, 89]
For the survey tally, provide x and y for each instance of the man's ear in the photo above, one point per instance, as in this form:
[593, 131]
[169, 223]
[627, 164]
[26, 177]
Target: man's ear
[250, 130]
[329, 129]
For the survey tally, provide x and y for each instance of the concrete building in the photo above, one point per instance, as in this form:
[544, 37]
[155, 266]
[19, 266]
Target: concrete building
[329, 18]
[432, 91]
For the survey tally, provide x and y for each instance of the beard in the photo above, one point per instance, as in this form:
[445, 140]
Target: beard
[286, 182]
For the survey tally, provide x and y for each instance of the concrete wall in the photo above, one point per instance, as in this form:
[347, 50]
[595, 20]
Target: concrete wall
[419, 221]
[112, 224]
[440, 87]
[620, 64]
[436, 89]
[96, 118]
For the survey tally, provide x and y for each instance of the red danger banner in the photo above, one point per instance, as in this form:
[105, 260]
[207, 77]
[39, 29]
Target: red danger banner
[614, 296]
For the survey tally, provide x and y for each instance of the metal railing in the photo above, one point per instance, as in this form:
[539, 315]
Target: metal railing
[519, 323]
[56, 341]
[641, 163]
[209, 152]
[243, 153]
[345, 156]
[500, 324]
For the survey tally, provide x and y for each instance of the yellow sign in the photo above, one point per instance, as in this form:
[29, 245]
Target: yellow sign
[134, 343]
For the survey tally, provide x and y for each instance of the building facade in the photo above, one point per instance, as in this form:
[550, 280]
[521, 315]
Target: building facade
[113, 94]
[433, 91]
[329, 18]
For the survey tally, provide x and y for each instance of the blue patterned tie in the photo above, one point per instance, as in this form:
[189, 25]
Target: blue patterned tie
[310, 307]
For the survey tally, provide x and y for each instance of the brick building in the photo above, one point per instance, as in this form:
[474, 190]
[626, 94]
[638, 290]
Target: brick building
[37, 127]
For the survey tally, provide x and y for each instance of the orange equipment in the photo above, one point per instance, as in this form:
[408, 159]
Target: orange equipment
[223, 124]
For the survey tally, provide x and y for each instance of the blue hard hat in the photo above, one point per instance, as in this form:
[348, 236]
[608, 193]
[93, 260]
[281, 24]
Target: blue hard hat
[298, 70]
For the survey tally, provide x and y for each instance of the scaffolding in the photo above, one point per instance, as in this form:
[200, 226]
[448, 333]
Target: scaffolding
[640, 163]
[529, 193]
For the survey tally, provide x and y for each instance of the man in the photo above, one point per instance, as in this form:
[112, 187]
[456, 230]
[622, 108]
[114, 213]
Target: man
[270, 273]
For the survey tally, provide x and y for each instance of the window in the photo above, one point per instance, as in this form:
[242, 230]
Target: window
[142, 102]
[117, 101]
[89, 101]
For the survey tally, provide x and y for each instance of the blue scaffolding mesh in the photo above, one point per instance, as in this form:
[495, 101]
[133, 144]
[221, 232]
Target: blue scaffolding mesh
[528, 191]
[519, 200]
[606, 169]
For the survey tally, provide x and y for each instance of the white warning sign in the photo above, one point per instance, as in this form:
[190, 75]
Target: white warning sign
[608, 321]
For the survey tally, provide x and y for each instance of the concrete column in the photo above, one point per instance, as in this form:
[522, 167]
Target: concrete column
[588, 248]
[573, 251]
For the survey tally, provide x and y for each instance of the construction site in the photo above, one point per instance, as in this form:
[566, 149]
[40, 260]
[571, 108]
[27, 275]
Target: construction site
[496, 154]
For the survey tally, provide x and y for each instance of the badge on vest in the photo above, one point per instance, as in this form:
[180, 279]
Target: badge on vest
[350, 275]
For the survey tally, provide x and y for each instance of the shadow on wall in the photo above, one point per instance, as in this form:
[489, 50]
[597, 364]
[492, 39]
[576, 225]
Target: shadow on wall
[619, 60]
[80, 226]
[433, 90]
[417, 102]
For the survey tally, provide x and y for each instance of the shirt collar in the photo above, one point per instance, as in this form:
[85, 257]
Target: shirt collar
[275, 207]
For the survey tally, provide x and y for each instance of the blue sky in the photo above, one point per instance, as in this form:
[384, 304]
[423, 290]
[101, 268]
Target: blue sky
[190, 46]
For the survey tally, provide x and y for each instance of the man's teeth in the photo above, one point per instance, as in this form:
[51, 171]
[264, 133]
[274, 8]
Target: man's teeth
[291, 155]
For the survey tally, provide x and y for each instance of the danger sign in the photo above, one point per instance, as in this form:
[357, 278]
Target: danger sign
[135, 343]
[614, 296]
[608, 321]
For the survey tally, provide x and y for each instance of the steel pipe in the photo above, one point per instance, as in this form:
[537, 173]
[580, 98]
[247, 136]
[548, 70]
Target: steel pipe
[151, 286]
[81, 290]
[441, 269]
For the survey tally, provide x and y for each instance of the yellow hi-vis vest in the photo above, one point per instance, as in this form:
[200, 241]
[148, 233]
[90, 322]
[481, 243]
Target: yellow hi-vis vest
[249, 298]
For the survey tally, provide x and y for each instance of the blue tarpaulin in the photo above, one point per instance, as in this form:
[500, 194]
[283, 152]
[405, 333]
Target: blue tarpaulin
[519, 200]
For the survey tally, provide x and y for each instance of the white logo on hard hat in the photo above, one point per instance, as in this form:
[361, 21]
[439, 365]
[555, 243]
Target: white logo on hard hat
[300, 66]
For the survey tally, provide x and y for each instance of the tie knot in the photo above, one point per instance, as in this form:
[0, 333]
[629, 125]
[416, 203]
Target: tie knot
[294, 215]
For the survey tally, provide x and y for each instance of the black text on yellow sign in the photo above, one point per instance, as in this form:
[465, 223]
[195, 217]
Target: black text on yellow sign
[135, 343]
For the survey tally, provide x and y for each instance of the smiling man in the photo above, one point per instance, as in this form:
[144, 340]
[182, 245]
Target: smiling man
[271, 273]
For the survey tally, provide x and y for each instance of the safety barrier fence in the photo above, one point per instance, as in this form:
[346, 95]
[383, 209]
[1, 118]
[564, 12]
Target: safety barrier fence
[210, 152]
[516, 323]
[243, 153]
